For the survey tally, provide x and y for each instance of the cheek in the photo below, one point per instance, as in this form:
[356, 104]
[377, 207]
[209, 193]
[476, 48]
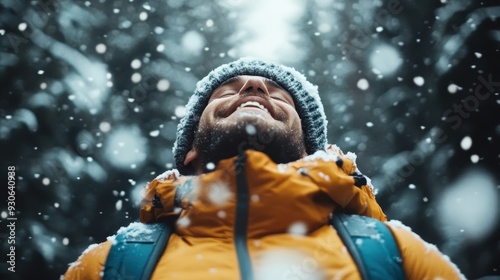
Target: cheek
[210, 113]
[292, 115]
[205, 117]
[295, 122]
[298, 123]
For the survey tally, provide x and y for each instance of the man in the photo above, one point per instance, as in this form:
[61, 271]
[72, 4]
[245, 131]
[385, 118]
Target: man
[258, 187]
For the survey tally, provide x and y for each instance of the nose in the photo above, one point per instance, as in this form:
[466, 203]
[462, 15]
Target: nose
[254, 85]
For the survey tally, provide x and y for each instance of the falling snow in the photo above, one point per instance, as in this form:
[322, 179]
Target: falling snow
[298, 228]
[419, 81]
[363, 84]
[219, 193]
[273, 264]
[466, 143]
[183, 221]
[154, 133]
[210, 166]
[118, 205]
[250, 129]
[93, 92]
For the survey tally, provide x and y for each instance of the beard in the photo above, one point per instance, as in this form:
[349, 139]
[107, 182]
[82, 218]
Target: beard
[225, 140]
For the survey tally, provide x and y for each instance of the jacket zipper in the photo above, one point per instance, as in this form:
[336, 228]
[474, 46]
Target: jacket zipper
[241, 220]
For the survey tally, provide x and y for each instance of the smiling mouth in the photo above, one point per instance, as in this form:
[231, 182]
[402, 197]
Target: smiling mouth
[252, 104]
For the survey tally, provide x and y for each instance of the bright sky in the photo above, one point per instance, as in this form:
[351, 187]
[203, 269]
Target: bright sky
[267, 29]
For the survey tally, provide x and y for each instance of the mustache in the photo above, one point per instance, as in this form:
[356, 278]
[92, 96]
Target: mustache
[230, 107]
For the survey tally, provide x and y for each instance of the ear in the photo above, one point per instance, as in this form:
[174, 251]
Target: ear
[191, 156]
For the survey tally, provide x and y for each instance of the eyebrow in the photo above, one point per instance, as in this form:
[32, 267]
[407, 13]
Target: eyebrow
[270, 82]
[231, 80]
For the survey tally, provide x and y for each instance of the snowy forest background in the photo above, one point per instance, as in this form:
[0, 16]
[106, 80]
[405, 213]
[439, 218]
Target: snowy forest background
[92, 91]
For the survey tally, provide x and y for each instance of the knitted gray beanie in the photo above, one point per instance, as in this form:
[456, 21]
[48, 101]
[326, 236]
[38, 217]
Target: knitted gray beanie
[305, 95]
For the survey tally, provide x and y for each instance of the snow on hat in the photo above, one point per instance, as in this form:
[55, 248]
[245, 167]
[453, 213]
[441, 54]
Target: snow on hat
[305, 95]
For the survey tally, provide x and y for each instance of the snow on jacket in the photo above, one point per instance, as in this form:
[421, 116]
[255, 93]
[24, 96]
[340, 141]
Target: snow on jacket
[286, 232]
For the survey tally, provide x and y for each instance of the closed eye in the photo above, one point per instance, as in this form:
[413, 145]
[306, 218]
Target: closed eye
[226, 93]
[272, 83]
[281, 98]
[275, 97]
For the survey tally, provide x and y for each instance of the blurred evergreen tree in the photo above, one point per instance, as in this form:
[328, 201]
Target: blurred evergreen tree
[389, 73]
[73, 74]
[84, 82]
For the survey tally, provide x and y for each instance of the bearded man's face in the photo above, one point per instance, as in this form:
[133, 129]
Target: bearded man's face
[248, 112]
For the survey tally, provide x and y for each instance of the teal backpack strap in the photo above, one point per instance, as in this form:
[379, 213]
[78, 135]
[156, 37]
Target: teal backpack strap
[136, 250]
[371, 245]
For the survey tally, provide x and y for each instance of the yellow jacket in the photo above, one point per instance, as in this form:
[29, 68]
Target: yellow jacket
[284, 230]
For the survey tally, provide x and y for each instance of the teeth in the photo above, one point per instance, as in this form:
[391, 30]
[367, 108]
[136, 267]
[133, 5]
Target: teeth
[252, 104]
